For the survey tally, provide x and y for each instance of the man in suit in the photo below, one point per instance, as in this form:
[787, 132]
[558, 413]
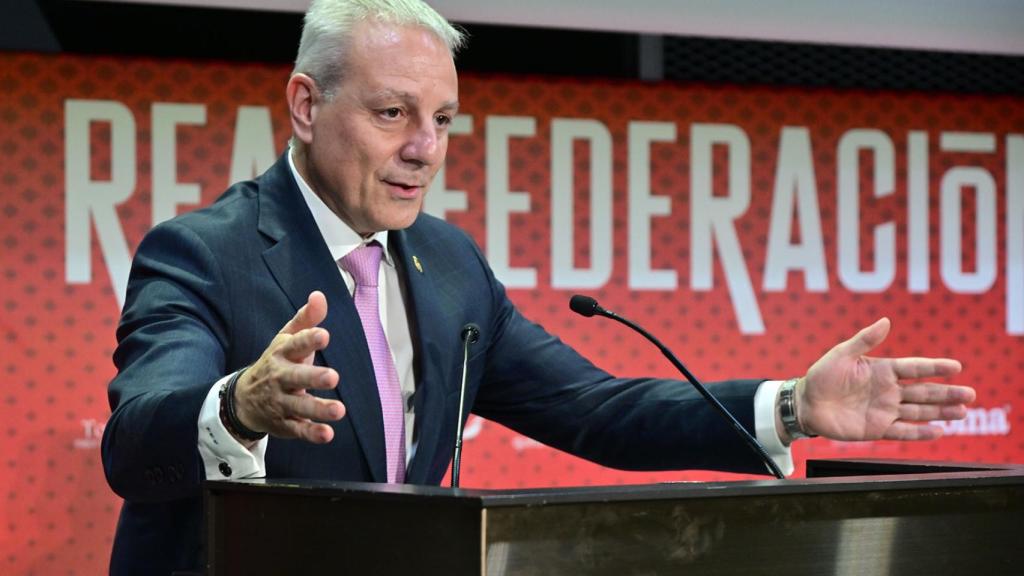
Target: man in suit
[307, 324]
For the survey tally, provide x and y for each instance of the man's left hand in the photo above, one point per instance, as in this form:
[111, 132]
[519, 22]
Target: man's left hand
[848, 395]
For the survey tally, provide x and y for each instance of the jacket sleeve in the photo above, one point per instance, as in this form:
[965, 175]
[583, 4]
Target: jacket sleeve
[171, 349]
[539, 386]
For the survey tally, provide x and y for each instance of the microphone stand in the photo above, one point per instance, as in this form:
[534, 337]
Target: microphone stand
[470, 334]
[587, 306]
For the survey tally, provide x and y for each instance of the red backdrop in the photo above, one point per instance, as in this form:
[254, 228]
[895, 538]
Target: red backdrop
[89, 143]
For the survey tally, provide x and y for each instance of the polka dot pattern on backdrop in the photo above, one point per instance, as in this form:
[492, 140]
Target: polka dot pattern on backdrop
[59, 334]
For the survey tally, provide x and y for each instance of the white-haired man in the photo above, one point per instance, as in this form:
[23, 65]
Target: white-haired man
[317, 303]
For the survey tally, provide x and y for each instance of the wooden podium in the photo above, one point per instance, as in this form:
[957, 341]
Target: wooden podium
[847, 518]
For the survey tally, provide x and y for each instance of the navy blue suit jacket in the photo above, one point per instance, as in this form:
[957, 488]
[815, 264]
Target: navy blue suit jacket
[210, 289]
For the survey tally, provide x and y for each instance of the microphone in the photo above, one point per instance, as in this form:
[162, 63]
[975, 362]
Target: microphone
[584, 305]
[469, 334]
[587, 306]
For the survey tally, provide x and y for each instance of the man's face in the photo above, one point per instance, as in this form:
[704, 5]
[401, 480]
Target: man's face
[374, 148]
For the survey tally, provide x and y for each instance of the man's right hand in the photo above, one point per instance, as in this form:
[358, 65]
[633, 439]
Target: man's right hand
[271, 395]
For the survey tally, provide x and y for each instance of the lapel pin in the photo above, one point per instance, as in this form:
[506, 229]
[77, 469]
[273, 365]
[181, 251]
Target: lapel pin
[416, 263]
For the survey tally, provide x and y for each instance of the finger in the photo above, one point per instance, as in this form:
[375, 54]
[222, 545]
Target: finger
[865, 340]
[299, 346]
[928, 412]
[311, 314]
[305, 430]
[309, 407]
[912, 431]
[298, 377]
[913, 368]
[932, 393]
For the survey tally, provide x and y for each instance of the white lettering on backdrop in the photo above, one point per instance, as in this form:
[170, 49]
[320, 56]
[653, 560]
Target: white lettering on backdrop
[90, 203]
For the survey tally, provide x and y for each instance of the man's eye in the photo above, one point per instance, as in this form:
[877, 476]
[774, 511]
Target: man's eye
[391, 113]
[443, 119]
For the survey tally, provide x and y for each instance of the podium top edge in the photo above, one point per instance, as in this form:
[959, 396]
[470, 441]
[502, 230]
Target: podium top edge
[849, 476]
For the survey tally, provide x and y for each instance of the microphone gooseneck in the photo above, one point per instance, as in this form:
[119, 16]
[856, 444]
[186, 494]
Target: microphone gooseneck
[587, 306]
[469, 334]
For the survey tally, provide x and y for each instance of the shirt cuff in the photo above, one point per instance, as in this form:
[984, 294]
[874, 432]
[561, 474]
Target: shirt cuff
[224, 457]
[764, 424]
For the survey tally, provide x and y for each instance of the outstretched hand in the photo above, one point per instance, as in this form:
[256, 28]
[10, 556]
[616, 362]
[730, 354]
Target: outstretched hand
[848, 395]
[271, 395]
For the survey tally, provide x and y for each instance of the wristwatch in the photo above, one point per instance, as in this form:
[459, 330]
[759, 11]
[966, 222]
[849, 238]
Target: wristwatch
[787, 410]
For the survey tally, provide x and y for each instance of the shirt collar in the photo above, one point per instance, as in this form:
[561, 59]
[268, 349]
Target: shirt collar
[339, 236]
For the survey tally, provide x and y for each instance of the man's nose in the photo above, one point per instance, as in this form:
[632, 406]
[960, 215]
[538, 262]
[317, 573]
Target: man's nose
[424, 146]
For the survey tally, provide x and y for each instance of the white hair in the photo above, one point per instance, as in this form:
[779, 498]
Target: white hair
[328, 26]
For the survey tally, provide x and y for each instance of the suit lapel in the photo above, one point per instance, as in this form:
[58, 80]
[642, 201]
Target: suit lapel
[301, 263]
[427, 328]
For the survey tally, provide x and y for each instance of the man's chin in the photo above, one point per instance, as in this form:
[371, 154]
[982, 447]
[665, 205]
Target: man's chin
[399, 222]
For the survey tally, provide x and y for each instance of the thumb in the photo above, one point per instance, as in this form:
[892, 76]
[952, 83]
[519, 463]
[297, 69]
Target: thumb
[865, 340]
[311, 314]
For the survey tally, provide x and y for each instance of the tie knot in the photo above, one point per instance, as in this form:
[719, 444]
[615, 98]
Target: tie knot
[363, 263]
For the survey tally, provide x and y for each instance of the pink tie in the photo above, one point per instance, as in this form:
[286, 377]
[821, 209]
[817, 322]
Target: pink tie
[363, 264]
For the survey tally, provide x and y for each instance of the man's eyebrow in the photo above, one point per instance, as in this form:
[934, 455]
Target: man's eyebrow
[450, 106]
[388, 93]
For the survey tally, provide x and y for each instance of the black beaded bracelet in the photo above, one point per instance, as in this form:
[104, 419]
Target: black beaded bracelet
[229, 417]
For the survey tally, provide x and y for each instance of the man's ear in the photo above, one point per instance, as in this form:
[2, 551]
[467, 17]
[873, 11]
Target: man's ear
[302, 98]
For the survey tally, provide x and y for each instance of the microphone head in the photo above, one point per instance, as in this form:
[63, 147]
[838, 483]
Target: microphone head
[583, 305]
[470, 333]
